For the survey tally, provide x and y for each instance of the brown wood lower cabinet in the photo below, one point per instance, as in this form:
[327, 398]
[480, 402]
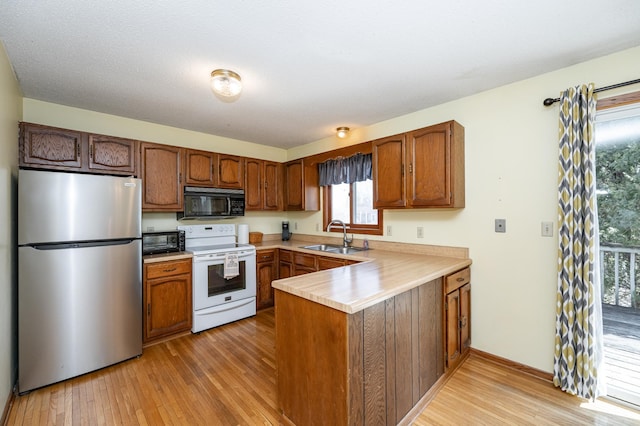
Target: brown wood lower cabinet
[167, 298]
[457, 316]
[366, 368]
[266, 271]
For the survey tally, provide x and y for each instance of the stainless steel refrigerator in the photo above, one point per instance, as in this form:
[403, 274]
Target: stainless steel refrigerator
[80, 274]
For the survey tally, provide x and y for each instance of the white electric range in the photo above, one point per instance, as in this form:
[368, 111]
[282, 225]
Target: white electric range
[217, 299]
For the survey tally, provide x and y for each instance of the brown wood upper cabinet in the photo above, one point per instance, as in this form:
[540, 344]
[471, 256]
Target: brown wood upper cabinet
[422, 168]
[301, 186]
[200, 167]
[210, 169]
[263, 185]
[161, 173]
[46, 147]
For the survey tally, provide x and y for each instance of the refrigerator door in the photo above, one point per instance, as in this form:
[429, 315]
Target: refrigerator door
[79, 309]
[55, 207]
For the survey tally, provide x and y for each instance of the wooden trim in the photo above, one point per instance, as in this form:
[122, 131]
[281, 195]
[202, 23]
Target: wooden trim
[618, 100]
[7, 408]
[543, 375]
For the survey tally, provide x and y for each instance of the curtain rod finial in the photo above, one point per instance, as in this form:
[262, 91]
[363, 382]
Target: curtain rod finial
[550, 101]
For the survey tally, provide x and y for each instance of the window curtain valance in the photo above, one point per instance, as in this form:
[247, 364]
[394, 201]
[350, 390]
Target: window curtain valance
[356, 168]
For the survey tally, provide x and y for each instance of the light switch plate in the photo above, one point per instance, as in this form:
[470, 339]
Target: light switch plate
[546, 229]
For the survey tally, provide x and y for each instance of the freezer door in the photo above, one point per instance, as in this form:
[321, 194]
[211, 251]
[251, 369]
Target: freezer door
[79, 309]
[56, 207]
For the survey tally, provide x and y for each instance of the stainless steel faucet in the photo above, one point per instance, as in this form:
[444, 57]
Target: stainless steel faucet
[345, 240]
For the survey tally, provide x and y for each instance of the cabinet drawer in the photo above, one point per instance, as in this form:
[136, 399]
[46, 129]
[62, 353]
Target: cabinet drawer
[165, 269]
[285, 256]
[457, 280]
[265, 256]
[305, 260]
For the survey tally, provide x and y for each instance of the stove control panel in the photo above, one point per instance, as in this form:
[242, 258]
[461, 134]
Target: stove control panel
[200, 231]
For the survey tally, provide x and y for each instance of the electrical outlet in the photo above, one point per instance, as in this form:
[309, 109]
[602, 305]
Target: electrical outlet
[501, 225]
[388, 230]
[295, 226]
[150, 228]
[546, 229]
[420, 232]
[317, 227]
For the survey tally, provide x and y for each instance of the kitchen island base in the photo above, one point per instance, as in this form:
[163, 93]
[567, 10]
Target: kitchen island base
[369, 367]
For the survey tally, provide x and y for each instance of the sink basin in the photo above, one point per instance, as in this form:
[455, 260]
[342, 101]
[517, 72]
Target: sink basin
[333, 248]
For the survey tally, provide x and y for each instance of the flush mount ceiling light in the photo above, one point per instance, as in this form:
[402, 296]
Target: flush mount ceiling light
[342, 132]
[226, 83]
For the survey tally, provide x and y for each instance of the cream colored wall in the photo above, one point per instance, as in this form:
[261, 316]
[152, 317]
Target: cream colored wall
[511, 173]
[10, 115]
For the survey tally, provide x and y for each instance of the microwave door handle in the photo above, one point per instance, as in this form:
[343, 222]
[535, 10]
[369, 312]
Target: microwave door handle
[228, 205]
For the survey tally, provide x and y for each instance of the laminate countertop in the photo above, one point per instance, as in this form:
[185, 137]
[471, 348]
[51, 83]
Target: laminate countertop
[382, 273]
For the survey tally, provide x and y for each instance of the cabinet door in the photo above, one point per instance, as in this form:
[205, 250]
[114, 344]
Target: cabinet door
[161, 175]
[253, 195]
[230, 171]
[452, 327]
[294, 193]
[266, 272]
[465, 318]
[272, 186]
[429, 172]
[389, 172]
[115, 155]
[168, 307]
[325, 262]
[200, 167]
[50, 147]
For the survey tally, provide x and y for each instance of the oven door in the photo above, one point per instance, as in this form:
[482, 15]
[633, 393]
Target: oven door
[210, 288]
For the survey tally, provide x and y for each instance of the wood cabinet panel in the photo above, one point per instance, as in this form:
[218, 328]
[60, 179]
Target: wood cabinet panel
[429, 159]
[391, 350]
[325, 262]
[200, 168]
[267, 271]
[457, 317]
[253, 185]
[113, 155]
[230, 171]
[50, 147]
[272, 194]
[167, 299]
[161, 173]
[388, 156]
[302, 191]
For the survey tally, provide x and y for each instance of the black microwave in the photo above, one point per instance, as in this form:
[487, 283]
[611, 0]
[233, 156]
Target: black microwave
[212, 203]
[162, 242]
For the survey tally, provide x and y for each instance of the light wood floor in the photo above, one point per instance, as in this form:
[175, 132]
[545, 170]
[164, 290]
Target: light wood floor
[226, 376]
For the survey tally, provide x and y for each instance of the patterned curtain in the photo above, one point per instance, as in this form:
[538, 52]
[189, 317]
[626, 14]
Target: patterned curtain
[578, 342]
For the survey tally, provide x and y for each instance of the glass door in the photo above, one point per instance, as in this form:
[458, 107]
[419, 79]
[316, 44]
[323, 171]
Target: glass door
[618, 191]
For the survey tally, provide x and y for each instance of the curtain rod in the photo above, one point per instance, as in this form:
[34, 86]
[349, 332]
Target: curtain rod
[551, 101]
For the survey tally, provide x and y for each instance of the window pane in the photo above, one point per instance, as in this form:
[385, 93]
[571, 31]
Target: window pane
[340, 202]
[363, 211]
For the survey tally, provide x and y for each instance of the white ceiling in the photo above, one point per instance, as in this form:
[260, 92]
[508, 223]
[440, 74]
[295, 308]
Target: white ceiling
[308, 66]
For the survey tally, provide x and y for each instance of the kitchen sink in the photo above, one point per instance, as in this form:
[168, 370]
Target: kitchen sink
[330, 248]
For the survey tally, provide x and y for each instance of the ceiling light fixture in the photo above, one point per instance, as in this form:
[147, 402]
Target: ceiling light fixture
[226, 83]
[342, 132]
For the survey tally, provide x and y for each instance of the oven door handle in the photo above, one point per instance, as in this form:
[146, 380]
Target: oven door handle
[219, 256]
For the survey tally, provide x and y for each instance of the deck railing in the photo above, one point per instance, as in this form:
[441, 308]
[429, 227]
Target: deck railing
[618, 273]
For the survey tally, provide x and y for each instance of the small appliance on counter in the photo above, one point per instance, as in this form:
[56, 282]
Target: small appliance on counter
[285, 231]
[243, 233]
[162, 242]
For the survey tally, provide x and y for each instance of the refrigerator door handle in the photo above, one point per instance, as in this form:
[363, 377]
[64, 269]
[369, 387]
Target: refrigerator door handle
[81, 244]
